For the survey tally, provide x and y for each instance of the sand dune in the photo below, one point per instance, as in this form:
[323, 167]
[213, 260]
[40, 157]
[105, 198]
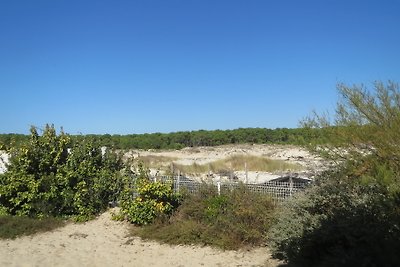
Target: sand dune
[312, 164]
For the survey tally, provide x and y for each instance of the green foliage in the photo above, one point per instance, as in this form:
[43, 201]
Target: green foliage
[3, 210]
[15, 226]
[339, 222]
[178, 140]
[233, 220]
[367, 121]
[12, 140]
[153, 200]
[351, 216]
[217, 137]
[44, 179]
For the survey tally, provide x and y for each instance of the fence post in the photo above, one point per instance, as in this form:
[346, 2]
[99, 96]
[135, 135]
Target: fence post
[178, 180]
[247, 174]
[290, 185]
[219, 186]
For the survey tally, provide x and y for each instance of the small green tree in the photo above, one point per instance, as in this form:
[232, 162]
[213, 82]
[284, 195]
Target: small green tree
[367, 121]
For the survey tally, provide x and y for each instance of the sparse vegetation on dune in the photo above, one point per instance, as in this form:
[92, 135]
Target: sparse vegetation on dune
[256, 163]
[193, 168]
[155, 161]
[240, 163]
[225, 165]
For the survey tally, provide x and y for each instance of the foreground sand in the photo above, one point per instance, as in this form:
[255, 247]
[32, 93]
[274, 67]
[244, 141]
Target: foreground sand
[103, 242]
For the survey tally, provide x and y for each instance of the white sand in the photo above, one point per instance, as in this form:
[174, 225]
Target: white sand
[103, 242]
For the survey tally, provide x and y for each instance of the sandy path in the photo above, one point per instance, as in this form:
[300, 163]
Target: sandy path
[103, 242]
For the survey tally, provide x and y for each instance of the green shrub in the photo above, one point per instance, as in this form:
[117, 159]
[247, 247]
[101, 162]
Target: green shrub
[153, 200]
[351, 218]
[339, 222]
[232, 220]
[44, 179]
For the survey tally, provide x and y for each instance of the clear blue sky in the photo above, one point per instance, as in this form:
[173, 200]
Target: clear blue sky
[164, 66]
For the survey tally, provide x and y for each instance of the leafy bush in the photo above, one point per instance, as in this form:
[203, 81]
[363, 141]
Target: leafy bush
[339, 222]
[231, 220]
[50, 176]
[153, 200]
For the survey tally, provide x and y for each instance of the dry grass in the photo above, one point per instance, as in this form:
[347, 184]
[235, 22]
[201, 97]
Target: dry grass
[154, 161]
[255, 163]
[193, 168]
[238, 163]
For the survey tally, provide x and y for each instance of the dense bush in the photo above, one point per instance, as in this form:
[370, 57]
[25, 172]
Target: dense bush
[48, 176]
[143, 201]
[351, 216]
[339, 222]
[232, 220]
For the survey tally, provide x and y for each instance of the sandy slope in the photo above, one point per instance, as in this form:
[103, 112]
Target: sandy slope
[103, 242]
[203, 155]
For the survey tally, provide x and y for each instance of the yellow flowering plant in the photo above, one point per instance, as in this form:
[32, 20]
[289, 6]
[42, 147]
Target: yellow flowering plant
[147, 200]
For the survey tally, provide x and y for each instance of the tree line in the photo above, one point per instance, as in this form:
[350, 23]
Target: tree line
[178, 140]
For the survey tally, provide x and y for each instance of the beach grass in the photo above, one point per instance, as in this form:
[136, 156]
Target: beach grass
[155, 161]
[240, 163]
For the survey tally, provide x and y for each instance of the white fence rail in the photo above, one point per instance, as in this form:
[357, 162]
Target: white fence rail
[277, 190]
